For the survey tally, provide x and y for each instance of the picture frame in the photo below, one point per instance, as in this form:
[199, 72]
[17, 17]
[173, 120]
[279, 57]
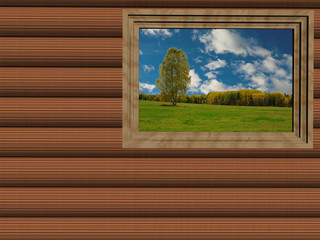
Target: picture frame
[301, 21]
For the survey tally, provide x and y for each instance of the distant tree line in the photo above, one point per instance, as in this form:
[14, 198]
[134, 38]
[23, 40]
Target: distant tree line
[250, 98]
[198, 99]
[236, 98]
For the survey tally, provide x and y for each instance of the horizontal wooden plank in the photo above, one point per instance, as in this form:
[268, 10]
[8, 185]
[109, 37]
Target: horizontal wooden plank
[70, 22]
[60, 22]
[107, 142]
[316, 53]
[61, 112]
[61, 82]
[57, 52]
[159, 228]
[72, 52]
[159, 202]
[316, 25]
[316, 83]
[160, 172]
[72, 112]
[316, 113]
[168, 3]
[72, 82]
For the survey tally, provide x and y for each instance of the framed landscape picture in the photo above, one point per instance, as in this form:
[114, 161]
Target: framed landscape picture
[217, 79]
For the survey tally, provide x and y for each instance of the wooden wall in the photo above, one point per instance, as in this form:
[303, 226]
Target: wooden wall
[64, 174]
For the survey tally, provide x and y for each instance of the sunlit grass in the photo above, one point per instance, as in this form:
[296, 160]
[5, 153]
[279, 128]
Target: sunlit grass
[188, 117]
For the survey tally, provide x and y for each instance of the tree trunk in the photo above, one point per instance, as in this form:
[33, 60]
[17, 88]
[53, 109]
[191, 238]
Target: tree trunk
[172, 101]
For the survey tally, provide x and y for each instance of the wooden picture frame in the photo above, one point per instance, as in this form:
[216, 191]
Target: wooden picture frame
[301, 21]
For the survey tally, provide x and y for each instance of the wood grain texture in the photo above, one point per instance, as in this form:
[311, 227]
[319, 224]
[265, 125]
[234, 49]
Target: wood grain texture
[60, 22]
[159, 202]
[316, 113]
[61, 82]
[66, 52]
[316, 83]
[159, 228]
[107, 142]
[70, 22]
[61, 112]
[160, 172]
[72, 112]
[72, 82]
[72, 52]
[316, 53]
[316, 24]
[168, 3]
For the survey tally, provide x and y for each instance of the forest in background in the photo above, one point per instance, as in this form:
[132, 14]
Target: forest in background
[236, 98]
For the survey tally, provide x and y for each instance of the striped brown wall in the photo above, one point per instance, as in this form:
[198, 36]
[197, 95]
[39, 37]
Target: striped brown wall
[63, 173]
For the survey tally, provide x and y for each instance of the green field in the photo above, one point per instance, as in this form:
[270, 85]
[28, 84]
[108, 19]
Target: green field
[188, 117]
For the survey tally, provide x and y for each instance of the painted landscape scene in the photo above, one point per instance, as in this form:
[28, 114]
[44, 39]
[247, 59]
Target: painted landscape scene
[215, 80]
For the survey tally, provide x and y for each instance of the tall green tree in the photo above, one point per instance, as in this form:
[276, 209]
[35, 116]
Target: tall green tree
[174, 75]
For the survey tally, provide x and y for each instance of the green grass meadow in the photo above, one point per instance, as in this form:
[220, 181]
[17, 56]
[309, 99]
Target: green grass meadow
[188, 117]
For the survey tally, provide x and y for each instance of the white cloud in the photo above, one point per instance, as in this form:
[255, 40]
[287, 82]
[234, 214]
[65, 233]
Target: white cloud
[140, 52]
[216, 64]
[281, 85]
[157, 32]
[223, 41]
[195, 34]
[258, 51]
[210, 75]
[269, 74]
[146, 86]
[286, 60]
[148, 68]
[281, 73]
[201, 50]
[248, 68]
[203, 68]
[229, 41]
[176, 30]
[259, 82]
[195, 81]
[270, 64]
[214, 85]
[198, 60]
[209, 85]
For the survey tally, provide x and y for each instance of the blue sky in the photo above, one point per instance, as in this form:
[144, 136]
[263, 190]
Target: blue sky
[221, 59]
